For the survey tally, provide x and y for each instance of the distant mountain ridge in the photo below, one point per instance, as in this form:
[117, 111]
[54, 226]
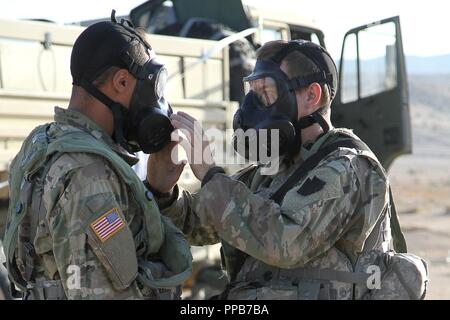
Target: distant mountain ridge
[428, 65]
[434, 65]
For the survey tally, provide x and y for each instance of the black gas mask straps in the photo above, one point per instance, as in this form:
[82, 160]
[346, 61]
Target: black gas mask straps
[270, 102]
[119, 111]
[327, 75]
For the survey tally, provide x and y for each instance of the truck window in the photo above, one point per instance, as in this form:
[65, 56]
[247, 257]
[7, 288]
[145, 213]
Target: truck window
[270, 34]
[305, 34]
[162, 17]
[349, 76]
[155, 17]
[377, 59]
[376, 49]
[315, 39]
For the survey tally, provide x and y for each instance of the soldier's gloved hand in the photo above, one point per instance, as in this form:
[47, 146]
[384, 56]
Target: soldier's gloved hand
[196, 143]
[163, 172]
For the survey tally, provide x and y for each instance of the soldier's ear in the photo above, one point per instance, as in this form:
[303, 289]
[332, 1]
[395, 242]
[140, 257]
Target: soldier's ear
[122, 81]
[313, 94]
[308, 99]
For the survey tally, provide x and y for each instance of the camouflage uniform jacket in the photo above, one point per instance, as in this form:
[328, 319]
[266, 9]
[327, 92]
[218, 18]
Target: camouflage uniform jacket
[94, 258]
[323, 222]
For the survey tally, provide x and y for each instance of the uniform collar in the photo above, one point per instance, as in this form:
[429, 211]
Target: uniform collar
[308, 149]
[80, 121]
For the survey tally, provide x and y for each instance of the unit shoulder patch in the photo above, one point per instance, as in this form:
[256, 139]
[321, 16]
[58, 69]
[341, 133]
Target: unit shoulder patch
[311, 186]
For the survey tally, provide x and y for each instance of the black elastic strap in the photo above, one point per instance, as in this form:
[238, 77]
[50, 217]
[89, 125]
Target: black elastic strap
[311, 119]
[398, 238]
[321, 121]
[283, 53]
[303, 123]
[295, 45]
[304, 81]
[95, 92]
[117, 109]
[134, 68]
[130, 29]
[113, 16]
[306, 122]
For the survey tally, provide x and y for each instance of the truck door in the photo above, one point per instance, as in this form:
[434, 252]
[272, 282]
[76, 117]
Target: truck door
[373, 96]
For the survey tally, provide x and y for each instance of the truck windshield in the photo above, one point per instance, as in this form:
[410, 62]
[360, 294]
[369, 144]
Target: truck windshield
[270, 34]
[161, 18]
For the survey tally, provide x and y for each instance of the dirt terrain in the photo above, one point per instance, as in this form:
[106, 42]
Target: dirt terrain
[421, 181]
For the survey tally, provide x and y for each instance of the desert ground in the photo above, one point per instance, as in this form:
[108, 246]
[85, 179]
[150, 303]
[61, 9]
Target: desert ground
[421, 181]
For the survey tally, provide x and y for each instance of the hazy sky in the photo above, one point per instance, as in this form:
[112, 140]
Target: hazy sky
[425, 24]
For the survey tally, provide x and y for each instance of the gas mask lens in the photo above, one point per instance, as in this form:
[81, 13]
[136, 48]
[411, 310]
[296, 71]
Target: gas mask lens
[265, 90]
[160, 83]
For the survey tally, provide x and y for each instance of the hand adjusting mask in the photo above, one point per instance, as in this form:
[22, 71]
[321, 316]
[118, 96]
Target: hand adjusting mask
[145, 125]
[270, 101]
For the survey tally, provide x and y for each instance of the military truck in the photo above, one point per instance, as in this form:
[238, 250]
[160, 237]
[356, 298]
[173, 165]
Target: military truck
[373, 93]
[207, 51]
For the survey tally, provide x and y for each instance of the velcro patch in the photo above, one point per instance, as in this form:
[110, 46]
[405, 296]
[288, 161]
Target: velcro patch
[108, 224]
[311, 186]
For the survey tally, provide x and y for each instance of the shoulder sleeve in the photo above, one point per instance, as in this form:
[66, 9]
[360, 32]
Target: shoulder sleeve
[93, 245]
[183, 215]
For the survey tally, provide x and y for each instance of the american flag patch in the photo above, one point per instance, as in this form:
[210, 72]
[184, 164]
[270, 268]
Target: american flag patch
[108, 224]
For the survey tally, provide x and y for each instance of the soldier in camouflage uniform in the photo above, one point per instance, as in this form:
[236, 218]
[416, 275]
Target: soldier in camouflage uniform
[330, 224]
[81, 224]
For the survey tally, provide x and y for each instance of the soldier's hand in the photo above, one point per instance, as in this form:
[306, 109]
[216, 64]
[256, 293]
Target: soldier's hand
[196, 143]
[162, 172]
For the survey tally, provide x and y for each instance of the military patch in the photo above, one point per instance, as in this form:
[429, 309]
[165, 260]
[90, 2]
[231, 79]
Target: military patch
[108, 224]
[311, 186]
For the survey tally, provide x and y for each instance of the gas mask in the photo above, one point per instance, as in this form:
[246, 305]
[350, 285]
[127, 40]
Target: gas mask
[270, 103]
[145, 125]
[148, 126]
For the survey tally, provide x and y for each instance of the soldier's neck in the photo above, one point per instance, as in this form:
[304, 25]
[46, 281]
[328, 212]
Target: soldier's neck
[94, 110]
